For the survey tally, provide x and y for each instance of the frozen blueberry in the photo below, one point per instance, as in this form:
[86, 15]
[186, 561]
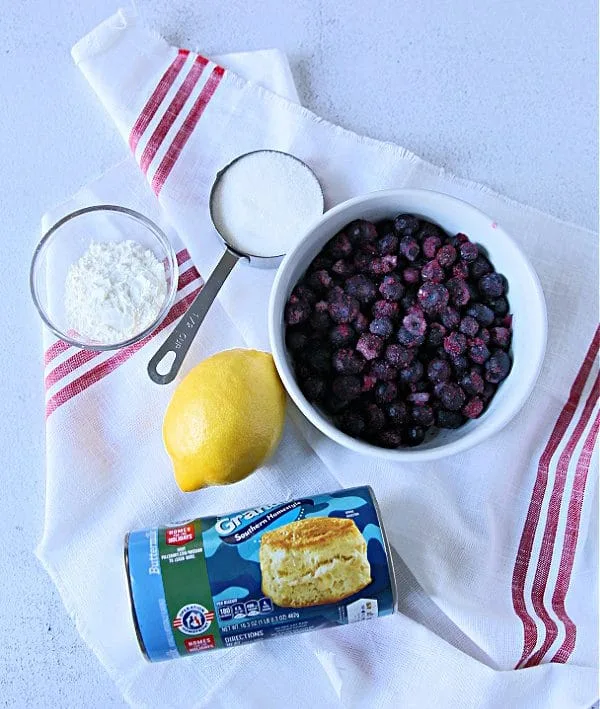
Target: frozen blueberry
[389, 438]
[418, 398]
[481, 313]
[385, 309]
[448, 419]
[399, 356]
[414, 435]
[361, 231]
[491, 285]
[455, 343]
[343, 268]
[473, 408]
[368, 382]
[409, 339]
[320, 281]
[388, 244]
[382, 327]
[433, 297]
[383, 371]
[478, 351]
[383, 264]
[469, 251]
[432, 271]
[430, 245]
[397, 412]
[450, 318]
[438, 370]
[460, 269]
[320, 262]
[480, 267]
[342, 308]
[435, 336]
[296, 312]
[295, 340]
[347, 361]
[488, 391]
[304, 292]
[459, 291]
[506, 321]
[501, 337]
[374, 418]
[342, 335]
[423, 415]
[469, 326]
[340, 246]
[385, 392]
[352, 423]
[360, 324]
[472, 383]
[361, 288]
[391, 287]
[318, 359]
[369, 346]
[362, 260]
[320, 320]
[409, 248]
[414, 321]
[411, 275]
[497, 367]
[346, 387]
[446, 255]
[412, 374]
[313, 388]
[499, 305]
[405, 224]
[484, 335]
[451, 396]
[460, 363]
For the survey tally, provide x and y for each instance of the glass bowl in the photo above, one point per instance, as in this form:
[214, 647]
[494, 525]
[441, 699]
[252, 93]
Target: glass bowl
[68, 240]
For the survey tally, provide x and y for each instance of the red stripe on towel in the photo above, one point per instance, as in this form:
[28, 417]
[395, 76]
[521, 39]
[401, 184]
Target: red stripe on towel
[533, 513]
[186, 130]
[570, 544]
[157, 97]
[170, 116]
[79, 385]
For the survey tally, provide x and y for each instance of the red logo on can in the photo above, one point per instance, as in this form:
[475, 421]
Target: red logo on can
[199, 644]
[177, 536]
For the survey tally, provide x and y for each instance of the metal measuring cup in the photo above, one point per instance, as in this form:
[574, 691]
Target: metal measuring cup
[180, 340]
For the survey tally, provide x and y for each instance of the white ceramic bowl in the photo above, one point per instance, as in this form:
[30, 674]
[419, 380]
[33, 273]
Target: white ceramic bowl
[525, 297]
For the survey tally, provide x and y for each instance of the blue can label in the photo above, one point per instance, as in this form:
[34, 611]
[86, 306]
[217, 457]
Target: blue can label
[311, 563]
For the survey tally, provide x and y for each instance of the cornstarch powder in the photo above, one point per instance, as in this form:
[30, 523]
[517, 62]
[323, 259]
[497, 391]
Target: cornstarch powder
[264, 202]
[114, 291]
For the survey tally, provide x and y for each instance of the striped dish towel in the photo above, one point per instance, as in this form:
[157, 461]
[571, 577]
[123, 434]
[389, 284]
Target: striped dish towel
[495, 549]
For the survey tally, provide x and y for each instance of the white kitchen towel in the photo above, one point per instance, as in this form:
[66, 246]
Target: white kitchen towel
[496, 548]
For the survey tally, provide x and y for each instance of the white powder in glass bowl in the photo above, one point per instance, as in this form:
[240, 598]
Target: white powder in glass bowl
[114, 291]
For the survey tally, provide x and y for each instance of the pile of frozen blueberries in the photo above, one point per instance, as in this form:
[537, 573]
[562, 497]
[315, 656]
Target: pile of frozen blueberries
[397, 327]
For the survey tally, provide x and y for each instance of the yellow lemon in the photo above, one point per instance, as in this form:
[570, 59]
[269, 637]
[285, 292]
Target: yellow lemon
[225, 419]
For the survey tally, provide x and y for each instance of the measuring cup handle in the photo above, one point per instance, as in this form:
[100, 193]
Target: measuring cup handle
[181, 338]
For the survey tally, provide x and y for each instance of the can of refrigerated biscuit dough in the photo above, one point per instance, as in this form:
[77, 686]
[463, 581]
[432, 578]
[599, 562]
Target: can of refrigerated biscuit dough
[216, 582]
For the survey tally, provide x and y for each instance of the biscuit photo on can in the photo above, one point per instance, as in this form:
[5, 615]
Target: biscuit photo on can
[313, 561]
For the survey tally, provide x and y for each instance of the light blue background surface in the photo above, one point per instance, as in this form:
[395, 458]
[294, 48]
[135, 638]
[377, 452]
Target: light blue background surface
[499, 92]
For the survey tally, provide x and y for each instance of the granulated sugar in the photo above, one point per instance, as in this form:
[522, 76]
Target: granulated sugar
[114, 291]
[264, 202]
